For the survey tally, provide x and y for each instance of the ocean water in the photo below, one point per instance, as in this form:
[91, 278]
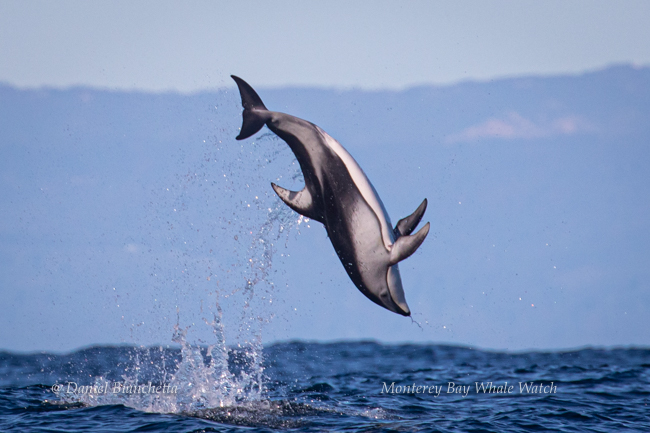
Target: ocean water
[346, 386]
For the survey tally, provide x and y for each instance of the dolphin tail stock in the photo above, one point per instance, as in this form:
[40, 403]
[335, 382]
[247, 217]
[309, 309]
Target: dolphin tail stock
[406, 225]
[255, 114]
[406, 245]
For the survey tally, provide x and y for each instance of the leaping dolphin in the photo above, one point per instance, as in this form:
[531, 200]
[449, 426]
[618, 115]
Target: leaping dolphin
[338, 194]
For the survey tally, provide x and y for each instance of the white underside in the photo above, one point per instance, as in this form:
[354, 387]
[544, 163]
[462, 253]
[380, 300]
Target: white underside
[365, 188]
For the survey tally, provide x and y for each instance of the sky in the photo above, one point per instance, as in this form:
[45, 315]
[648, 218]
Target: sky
[193, 46]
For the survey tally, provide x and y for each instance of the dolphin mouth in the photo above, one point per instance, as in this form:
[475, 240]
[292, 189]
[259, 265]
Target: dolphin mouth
[403, 311]
[406, 313]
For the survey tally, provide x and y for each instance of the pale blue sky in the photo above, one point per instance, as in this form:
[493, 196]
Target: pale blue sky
[191, 46]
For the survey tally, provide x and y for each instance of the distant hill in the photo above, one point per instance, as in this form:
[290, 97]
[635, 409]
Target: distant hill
[538, 189]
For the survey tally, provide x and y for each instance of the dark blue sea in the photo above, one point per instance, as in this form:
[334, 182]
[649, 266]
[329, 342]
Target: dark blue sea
[350, 386]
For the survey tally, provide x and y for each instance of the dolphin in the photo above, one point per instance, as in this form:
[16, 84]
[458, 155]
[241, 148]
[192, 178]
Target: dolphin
[338, 194]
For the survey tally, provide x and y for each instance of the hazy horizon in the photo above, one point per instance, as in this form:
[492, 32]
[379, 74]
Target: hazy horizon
[229, 86]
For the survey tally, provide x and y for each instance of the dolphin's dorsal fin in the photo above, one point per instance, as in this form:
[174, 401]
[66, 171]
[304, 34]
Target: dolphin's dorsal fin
[406, 245]
[405, 226]
[300, 201]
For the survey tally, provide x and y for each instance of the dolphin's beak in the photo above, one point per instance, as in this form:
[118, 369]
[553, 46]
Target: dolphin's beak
[396, 291]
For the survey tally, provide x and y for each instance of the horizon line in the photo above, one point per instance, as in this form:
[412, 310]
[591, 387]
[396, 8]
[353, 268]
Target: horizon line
[397, 89]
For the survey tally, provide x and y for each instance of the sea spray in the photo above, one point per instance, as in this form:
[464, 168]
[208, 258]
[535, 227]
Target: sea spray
[216, 241]
[205, 376]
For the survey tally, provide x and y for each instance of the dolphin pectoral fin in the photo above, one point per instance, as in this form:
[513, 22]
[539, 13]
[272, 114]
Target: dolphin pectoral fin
[255, 114]
[405, 226]
[300, 201]
[404, 246]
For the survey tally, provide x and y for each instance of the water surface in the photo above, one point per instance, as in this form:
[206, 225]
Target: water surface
[350, 386]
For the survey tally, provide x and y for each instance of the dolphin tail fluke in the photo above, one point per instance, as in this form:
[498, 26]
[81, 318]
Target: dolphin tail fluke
[255, 114]
[405, 226]
[406, 245]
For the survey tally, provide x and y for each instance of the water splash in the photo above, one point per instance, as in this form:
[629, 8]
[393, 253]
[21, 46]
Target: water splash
[205, 377]
[221, 359]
